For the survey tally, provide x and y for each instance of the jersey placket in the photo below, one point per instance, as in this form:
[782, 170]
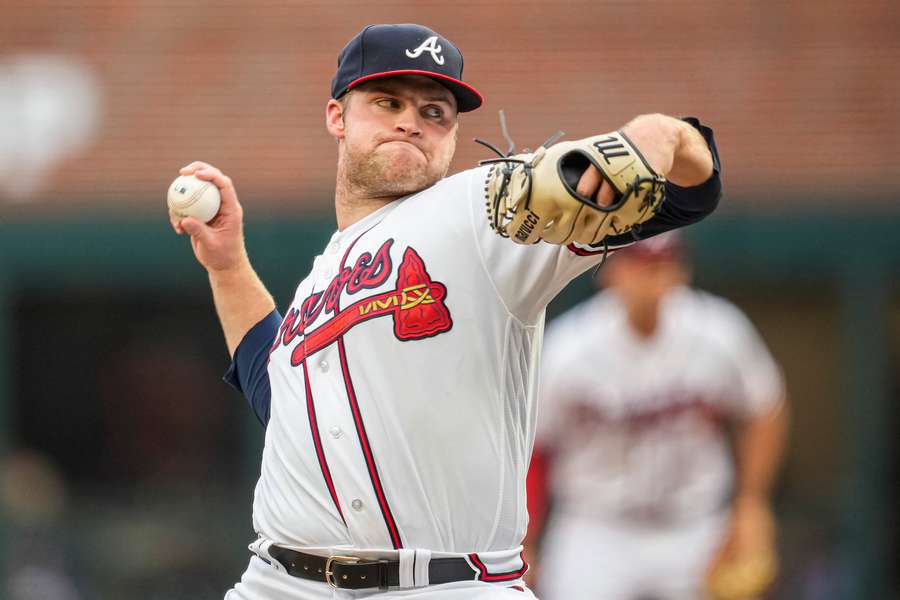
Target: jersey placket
[342, 430]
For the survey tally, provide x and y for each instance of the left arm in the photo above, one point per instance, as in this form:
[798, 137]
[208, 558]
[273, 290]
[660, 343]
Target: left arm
[759, 450]
[528, 276]
[673, 147]
[685, 152]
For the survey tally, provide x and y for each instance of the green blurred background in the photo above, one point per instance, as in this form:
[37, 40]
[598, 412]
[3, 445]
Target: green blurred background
[128, 467]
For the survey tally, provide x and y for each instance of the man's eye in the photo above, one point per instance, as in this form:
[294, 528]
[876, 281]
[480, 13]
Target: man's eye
[434, 112]
[387, 103]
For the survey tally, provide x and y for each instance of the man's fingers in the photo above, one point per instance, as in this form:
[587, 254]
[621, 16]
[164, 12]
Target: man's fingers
[193, 227]
[193, 167]
[205, 171]
[589, 182]
[216, 176]
[226, 188]
[175, 221]
[606, 195]
[592, 185]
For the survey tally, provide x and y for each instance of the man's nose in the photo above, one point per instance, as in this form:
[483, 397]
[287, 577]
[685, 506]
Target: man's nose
[409, 122]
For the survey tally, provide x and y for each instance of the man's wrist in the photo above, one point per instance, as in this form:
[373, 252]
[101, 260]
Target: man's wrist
[693, 163]
[238, 270]
[751, 501]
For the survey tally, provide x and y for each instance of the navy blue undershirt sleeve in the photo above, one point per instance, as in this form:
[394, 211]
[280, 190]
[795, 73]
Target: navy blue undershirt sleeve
[683, 205]
[249, 372]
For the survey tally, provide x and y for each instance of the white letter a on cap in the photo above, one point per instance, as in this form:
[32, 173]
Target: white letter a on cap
[429, 45]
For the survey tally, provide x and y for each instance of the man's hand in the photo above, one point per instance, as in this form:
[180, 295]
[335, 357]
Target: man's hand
[240, 297]
[219, 244]
[746, 563]
[673, 148]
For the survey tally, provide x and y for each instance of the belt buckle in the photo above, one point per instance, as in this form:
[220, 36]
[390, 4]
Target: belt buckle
[329, 574]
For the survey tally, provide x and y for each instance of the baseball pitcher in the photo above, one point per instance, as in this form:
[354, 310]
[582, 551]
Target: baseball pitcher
[398, 388]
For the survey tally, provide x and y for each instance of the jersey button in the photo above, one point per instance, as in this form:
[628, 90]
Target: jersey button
[333, 247]
[357, 504]
[336, 432]
[323, 365]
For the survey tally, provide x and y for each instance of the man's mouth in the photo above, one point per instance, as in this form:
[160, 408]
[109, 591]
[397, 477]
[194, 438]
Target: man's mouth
[404, 142]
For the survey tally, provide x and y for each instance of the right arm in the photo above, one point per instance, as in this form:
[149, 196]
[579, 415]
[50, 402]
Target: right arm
[240, 298]
[241, 302]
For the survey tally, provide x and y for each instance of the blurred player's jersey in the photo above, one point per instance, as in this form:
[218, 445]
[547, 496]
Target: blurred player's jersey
[635, 425]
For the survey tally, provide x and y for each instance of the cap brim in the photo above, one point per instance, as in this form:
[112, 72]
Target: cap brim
[467, 97]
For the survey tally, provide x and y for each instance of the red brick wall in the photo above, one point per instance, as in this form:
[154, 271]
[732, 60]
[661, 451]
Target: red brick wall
[802, 94]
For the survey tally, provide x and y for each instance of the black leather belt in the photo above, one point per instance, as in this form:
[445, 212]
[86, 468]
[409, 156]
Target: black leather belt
[349, 572]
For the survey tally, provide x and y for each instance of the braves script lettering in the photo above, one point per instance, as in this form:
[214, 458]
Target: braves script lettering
[416, 303]
[367, 272]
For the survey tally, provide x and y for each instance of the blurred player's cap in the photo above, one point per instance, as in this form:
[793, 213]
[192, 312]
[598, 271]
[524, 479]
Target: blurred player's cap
[665, 246]
[406, 49]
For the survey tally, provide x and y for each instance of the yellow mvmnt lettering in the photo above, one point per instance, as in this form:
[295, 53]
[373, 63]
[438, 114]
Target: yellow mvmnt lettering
[387, 303]
[408, 298]
[378, 304]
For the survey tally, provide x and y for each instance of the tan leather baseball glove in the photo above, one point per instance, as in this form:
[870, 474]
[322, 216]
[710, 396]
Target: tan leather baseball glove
[532, 197]
[744, 578]
[746, 565]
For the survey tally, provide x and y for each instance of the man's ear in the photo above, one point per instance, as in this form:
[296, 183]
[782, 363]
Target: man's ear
[334, 119]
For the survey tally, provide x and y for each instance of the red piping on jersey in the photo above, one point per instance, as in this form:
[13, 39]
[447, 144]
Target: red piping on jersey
[483, 574]
[367, 450]
[314, 426]
[358, 420]
[320, 452]
[583, 252]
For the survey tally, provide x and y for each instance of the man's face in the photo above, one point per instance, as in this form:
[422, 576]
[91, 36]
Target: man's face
[397, 134]
[643, 281]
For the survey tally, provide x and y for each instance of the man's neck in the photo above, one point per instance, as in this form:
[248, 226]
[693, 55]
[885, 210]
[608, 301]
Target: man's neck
[351, 206]
[644, 319]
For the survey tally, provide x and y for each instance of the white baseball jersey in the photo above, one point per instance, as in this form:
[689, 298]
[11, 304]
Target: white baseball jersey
[635, 425]
[403, 382]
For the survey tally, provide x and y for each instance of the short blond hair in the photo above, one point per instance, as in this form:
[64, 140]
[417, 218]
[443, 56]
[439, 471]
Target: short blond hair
[345, 100]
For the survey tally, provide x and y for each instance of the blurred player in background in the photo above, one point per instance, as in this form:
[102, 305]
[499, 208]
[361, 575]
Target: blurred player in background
[661, 427]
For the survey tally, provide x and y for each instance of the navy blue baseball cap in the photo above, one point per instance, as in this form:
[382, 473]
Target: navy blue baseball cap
[406, 49]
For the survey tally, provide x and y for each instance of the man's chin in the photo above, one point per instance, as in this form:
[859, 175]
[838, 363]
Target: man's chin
[390, 172]
[407, 176]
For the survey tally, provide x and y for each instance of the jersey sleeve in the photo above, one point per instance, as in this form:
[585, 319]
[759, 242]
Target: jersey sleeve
[760, 382]
[526, 278]
[249, 372]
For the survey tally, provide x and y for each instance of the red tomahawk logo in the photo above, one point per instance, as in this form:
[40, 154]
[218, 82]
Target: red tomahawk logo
[417, 305]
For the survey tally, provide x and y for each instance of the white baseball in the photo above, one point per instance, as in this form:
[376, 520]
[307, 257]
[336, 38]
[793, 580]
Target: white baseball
[192, 197]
